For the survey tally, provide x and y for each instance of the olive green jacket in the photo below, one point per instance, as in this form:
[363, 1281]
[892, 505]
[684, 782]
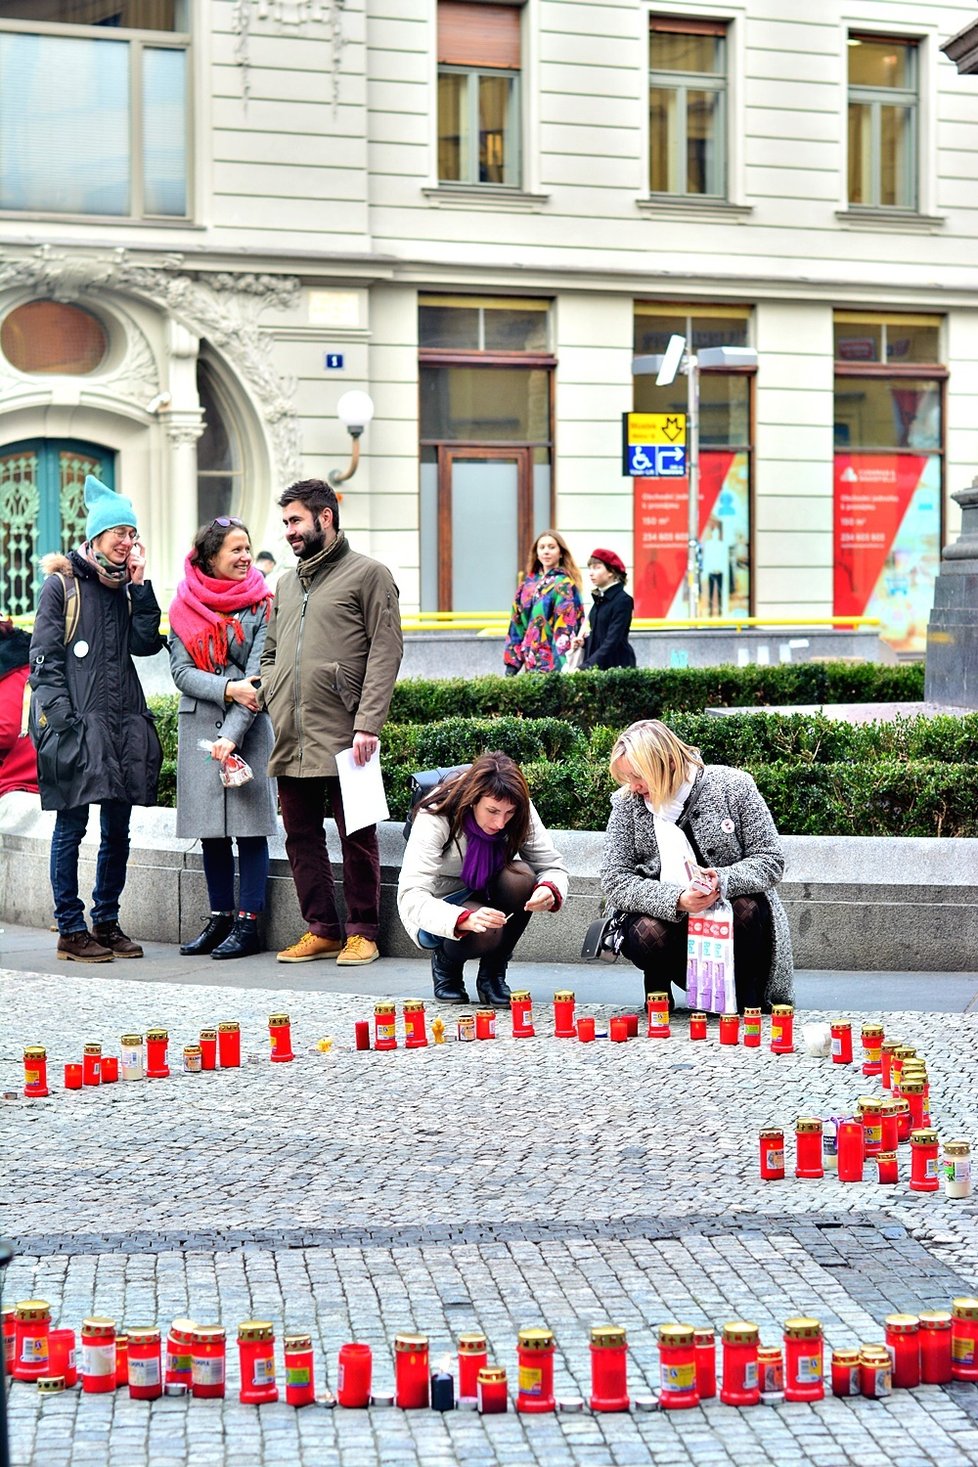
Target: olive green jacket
[330, 660]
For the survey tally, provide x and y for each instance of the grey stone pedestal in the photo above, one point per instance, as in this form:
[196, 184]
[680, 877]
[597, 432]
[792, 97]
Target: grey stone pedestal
[952, 633]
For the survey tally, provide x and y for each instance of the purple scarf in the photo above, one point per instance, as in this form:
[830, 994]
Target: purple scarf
[484, 854]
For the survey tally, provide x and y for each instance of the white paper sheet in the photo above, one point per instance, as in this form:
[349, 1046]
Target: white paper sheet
[362, 791]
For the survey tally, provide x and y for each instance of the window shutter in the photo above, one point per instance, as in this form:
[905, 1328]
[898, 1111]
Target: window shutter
[478, 35]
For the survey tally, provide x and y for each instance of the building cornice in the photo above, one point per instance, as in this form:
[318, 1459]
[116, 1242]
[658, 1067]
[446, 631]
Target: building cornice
[962, 49]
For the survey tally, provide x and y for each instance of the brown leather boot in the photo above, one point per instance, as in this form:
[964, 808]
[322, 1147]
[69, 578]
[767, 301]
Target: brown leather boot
[81, 947]
[111, 935]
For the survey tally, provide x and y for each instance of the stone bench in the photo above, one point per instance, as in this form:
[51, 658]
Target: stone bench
[853, 902]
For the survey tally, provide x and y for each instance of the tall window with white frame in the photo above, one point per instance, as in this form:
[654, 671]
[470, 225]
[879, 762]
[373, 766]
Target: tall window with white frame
[94, 108]
[478, 93]
[883, 108]
[687, 107]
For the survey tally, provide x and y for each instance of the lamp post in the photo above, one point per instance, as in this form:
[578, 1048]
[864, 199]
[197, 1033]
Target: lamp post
[354, 410]
[679, 358]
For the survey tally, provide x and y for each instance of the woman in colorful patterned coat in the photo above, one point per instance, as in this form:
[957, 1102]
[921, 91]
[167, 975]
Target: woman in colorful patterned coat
[548, 611]
[672, 815]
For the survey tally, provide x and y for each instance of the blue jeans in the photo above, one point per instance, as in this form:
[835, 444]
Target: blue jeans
[252, 872]
[110, 868]
[457, 899]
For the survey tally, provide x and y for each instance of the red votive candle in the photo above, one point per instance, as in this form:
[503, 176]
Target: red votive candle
[472, 1357]
[772, 1155]
[935, 1347]
[521, 1012]
[618, 1030]
[353, 1375]
[73, 1077]
[361, 1030]
[564, 1027]
[535, 1357]
[808, 1147]
[110, 1069]
[841, 1044]
[91, 1064]
[208, 1049]
[697, 1026]
[632, 1021]
[585, 1029]
[782, 1029]
[229, 1045]
[35, 1072]
[752, 1028]
[280, 1035]
[740, 1384]
[729, 1028]
[657, 1006]
[412, 1380]
[609, 1368]
[903, 1343]
[415, 1035]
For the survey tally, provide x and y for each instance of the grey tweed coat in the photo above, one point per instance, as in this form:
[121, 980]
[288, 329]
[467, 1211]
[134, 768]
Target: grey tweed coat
[747, 856]
[204, 807]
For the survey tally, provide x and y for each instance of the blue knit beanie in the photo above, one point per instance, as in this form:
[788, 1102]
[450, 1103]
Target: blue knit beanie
[105, 508]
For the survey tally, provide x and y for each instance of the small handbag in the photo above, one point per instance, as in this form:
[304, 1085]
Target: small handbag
[604, 937]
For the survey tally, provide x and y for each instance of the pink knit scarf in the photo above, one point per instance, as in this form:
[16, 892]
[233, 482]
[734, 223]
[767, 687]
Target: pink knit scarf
[203, 610]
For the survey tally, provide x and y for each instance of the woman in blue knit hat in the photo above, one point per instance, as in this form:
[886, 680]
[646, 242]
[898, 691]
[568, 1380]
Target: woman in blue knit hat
[95, 737]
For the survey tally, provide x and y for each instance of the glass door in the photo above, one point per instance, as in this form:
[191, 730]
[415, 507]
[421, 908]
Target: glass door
[484, 526]
[42, 509]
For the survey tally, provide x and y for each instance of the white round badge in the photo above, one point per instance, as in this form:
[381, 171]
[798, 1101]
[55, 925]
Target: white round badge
[727, 826]
[81, 649]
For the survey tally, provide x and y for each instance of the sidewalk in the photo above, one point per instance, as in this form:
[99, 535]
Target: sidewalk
[32, 950]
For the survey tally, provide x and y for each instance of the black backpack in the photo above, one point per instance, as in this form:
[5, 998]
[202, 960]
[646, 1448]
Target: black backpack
[424, 783]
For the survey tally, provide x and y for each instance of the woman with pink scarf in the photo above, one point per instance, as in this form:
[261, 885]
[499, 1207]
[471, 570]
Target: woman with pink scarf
[219, 618]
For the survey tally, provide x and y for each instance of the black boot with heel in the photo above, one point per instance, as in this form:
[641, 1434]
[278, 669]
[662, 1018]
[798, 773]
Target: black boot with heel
[218, 926]
[241, 941]
[448, 978]
[491, 985]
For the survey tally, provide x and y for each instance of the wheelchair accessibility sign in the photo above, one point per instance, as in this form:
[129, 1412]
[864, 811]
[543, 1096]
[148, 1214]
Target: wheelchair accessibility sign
[654, 445]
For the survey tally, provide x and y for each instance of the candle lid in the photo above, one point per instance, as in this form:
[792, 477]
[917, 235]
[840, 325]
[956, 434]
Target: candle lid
[485, 1013]
[491, 1375]
[934, 1319]
[675, 1335]
[874, 1354]
[806, 1125]
[740, 1332]
[209, 1334]
[772, 1133]
[886, 1156]
[890, 1106]
[912, 1087]
[413, 1005]
[92, 1049]
[698, 1014]
[657, 998]
[176, 1388]
[957, 1148]
[51, 1385]
[131, 1041]
[229, 1027]
[902, 1324]
[781, 1010]
[148, 1336]
[768, 1354]
[845, 1357]
[191, 1049]
[411, 1342]
[842, 1024]
[964, 1308]
[519, 995]
[571, 1404]
[207, 1036]
[256, 1329]
[35, 1051]
[872, 1031]
[300, 1341]
[802, 1328]
[385, 1008]
[613, 1336]
[382, 1398]
[536, 1339]
[183, 1330]
[869, 1102]
[157, 1034]
[471, 1344]
[29, 1309]
[99, 1326]
[890, 1046]
[278, 1021]
[704, 1337]
[564, 995]
[923, 1137]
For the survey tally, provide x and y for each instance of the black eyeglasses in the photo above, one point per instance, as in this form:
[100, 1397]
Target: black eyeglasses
[224, 520]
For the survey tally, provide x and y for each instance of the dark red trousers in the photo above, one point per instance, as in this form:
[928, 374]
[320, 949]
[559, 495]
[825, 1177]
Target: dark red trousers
[306, 803]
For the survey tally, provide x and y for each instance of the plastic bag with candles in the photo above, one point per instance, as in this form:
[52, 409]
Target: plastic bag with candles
[234, 770]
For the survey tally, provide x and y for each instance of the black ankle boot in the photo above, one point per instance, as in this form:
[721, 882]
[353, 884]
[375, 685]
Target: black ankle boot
[448, 978]
[241, 941]
[219, 924]
[491, 986]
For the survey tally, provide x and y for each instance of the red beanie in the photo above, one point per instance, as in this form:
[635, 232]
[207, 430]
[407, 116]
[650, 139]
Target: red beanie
[610, 559]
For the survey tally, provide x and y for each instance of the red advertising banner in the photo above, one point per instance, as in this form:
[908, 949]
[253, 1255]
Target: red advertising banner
[661, 510]
[886, 531]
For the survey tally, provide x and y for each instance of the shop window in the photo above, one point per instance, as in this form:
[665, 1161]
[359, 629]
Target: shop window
[478, 93]
[94, 120]
[661, 506]
[883, 132]
[687, 107]
[47, 338]
[888, 471]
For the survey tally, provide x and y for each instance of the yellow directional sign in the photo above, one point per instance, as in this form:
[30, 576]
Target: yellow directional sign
[651, 429]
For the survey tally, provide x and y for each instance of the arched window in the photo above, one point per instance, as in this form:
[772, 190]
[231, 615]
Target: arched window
[219, 474]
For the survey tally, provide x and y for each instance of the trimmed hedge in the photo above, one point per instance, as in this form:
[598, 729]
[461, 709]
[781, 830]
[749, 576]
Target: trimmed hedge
[622, 695]
[912, 776]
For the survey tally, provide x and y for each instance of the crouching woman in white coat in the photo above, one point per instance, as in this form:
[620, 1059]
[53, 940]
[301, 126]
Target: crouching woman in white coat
[478, 864]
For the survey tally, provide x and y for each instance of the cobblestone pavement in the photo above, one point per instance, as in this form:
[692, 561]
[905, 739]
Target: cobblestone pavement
[492, 1185]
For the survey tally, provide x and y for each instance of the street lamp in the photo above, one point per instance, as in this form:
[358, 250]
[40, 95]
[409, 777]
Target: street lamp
[354, 410]
[678, 358]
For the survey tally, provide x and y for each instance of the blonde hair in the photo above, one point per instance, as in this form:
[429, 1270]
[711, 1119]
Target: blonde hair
[657, 755]
[567, 562]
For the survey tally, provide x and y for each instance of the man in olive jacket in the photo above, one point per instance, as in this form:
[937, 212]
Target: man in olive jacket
[331, 657]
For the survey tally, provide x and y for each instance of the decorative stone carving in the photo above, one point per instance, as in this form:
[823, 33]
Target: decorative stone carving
[138, 376]
[324, 17]
[225, 310]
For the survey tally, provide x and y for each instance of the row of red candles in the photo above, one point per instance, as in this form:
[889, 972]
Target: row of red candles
[934, 1347]
[221, 1047]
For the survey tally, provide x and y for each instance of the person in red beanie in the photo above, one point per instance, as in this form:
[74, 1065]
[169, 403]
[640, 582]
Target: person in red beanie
[18, 761]
[610, 618]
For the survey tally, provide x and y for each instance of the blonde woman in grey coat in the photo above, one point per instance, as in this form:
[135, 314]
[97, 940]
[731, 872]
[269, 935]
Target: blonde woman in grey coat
[682, 834]
[219, 618]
